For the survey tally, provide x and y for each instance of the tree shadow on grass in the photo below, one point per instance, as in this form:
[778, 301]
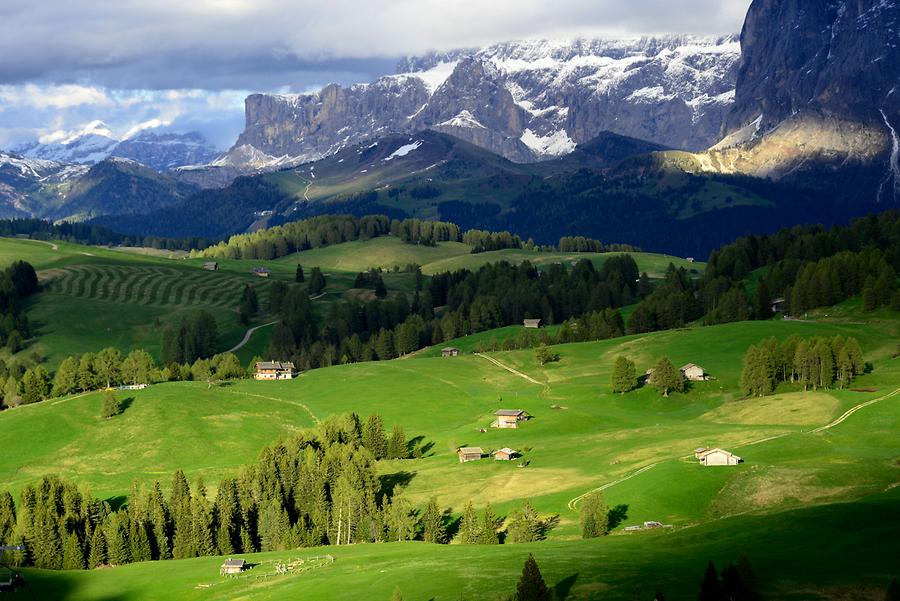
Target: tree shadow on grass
[617, 515]
[415, 448]
[118, 502]
[564, 587]
[451, 524]
[125, 403]
[390, 482]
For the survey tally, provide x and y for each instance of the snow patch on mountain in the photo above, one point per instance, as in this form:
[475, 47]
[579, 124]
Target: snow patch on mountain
[436, 76]
[556, 144]
[404, 150]
[463, 119]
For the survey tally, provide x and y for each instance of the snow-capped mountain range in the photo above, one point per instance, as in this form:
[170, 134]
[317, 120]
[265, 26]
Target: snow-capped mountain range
[528, 100]
[96, 142]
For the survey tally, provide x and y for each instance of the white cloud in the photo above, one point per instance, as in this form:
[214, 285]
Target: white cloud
[145, 125]
[53, 96]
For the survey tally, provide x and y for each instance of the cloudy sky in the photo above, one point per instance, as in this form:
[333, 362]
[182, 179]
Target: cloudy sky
[180, 65]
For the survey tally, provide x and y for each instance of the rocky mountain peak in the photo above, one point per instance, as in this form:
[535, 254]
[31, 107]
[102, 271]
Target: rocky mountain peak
[838, 58]
[528, 101]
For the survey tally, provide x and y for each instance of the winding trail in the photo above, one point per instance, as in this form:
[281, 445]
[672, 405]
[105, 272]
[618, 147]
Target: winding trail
[509, 369]
[853, 410]
[271, 398]
[247, 336]
[574, 502]
[51, 244]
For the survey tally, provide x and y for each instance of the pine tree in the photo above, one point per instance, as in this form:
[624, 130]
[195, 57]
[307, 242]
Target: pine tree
[525, 525]
[870, 300]
[397, 443]
[160, 523]
[432, 523]
[373, 437]
[35, 385]
[624, 378]
[762, 301]
[710, 589]
[594, 515]
[118, 549]
[139, 541]
[666, 377]
[98, 555]
[111, 406]
[73, 553]
[298, 275]
[316, 281]
[531, 585]
[380, 289]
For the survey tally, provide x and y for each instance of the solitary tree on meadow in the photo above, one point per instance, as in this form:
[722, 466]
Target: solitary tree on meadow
[531, 586]
[298, 275]
[624, 378]
[111, 405]
[666, 377]
[544, 354]
[594, 515]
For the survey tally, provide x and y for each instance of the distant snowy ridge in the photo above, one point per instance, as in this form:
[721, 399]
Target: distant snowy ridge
[528, 101]
[96, 142]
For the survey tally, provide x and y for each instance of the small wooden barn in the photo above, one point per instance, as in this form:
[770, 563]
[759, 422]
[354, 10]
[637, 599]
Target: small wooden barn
[509, 418]
[211, 266]
[450, 351]
[505, 454]
[232, 566]
[262, 272]
[714, 457]
[466, 454]
[532, 323]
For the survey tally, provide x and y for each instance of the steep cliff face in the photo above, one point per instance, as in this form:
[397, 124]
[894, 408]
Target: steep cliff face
[818, 94]
[528, 101]
[838, 58]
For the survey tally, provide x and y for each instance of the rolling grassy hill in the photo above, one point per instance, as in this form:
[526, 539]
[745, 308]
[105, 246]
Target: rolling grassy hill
[123, 297]
[388, 251]
[799, 493]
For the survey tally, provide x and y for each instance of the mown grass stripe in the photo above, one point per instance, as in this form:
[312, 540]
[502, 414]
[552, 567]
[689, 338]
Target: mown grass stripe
[125, 290]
